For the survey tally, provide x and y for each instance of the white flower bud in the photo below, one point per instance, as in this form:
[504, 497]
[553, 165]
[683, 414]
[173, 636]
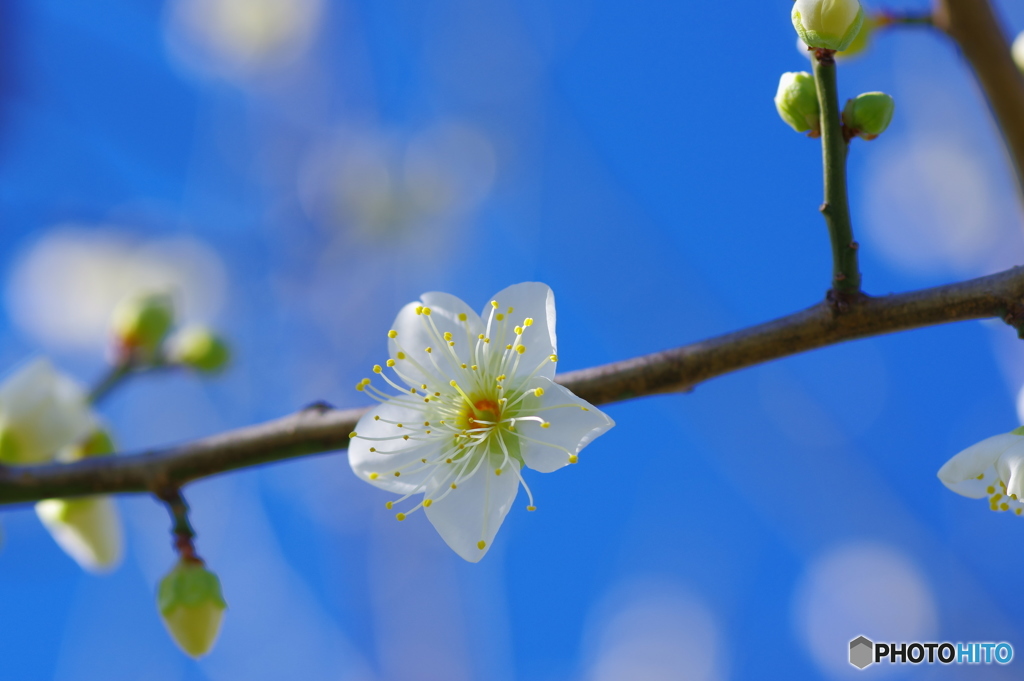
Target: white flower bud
[88, 529]
[1018, 51]
[192, 607]
[142, 322]
[797, 102]
[827, 24]
[868, 115]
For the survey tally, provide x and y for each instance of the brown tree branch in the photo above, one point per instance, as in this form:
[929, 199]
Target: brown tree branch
[320, 428]
[976, 29]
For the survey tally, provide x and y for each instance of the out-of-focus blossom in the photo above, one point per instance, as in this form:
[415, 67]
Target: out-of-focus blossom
[41, 412]
[238, 38]
[140, 323]
[64, 288]
[199, 348]
[1018, 50]
[88, 529]
[383, 189]
[480, 404]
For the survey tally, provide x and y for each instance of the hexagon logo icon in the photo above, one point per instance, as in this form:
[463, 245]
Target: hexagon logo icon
[862, 652]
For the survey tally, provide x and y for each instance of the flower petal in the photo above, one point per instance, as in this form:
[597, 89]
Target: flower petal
[474, 512]
[378, 467]
[87, 528]
[1010, 467]
[413, 338]
[572, 427]
[536, 301]
[974, 461]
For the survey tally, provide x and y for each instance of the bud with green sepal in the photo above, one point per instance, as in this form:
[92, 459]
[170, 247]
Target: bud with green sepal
[199, 348]
[868, 115]
[141, 323]
[192, 606]
[797, 102]
[98, 443]
[828, 24]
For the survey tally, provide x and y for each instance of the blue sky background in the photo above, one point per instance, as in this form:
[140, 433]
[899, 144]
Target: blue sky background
[298, 188]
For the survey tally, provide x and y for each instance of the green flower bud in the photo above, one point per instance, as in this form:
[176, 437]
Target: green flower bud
[87, 528]
[99, 443]
[869, 114]
[1018, 50]
[827, 24]
[142, 322]
[797, 102]
[191, 606]
[200, 348]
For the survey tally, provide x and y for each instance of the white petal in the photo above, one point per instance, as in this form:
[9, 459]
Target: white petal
[413, 339]
[407, 452]
[977, 488]
[571, 427]
[973, 461]
[46, 410]
[534, 300]
[1010, 467]
[88, 529]
[475, 510]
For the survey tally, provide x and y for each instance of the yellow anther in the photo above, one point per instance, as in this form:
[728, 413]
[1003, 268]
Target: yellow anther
[392, 334]
[423, 386]
[376, 418]
[373, 449]
[451, 343]
[404, 437]
[448, 335]
[412, 390]
[545, 425]
[996, 497]
[388, 505]
[377, 369]
[427, 503]
[437, 394]
[462, 316]
[400, 355]
[519, 330]
[473, 367]
[447, 460]
[531, 508]
[351, 435]
[1019, 511]
[528, 321]
[499, 316]
[585, 408]
[981, 477]
[573, 458]
[1004, 507]
[428, 433]
[463, 366]
[508, 347]
[373, 476]
[520, 349]
[390, 363]
[494, 304]
[487, 340]
[481, 336]
[398, 474]
[510, 310]
[366, 381]
[481, 544]
[553, 358]
[360, 386]
[429, 350]
[453, 383]
[399, 425]
[990, 489]
[419, 309]
[497, 471]
[423, 460]
[426, 423]
[426, 311]
[426, 399]
[454, 486]
[538, 391]
[400, 516]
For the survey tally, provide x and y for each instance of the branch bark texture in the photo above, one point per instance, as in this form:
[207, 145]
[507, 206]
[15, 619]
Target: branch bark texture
[320, 428]
[976, 29]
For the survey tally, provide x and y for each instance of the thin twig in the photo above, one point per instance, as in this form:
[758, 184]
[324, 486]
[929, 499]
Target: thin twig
[320, 429]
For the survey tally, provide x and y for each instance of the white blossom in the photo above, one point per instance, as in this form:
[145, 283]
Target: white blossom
[476, 404]
[993, 469]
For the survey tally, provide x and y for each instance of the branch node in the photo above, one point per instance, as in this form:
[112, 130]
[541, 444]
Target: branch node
[319, 407]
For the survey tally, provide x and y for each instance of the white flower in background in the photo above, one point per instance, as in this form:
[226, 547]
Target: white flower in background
[41, 412]
[991, 468]
[478, 404]
[88, 529]
[1018, 50]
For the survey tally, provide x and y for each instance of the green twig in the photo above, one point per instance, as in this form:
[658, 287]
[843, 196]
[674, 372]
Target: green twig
[836, 208]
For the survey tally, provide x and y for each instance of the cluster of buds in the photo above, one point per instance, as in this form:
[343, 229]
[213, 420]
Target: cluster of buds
[142, 327]
[829, 27]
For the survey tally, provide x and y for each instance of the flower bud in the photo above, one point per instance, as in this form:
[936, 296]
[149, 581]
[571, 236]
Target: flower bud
[827, 24]
[797, 102]
[869, 114]
[98, 443]
[87, 528]
[143, 321]
[1018, 51]
[200, 348]
[191, 606]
